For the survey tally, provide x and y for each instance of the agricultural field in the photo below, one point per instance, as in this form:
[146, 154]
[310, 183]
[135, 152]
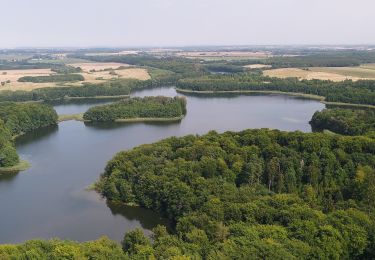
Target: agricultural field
[224, 55]
[97, 72]
[9, 79]
[92, 73]
[257, 66]
[326, 73]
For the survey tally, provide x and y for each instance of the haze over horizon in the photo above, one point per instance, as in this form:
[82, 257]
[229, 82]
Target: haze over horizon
[123, 23]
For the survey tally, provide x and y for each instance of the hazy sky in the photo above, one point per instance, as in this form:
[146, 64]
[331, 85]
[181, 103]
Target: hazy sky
[88, 23]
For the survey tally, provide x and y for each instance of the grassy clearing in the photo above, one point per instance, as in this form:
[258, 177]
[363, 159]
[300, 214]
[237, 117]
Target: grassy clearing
[257, 66]
[21, 166]
[77, 117]
[156, 73]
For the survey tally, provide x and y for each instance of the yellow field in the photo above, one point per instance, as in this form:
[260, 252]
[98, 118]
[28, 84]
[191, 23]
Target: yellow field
[362, 72]
[325, 73]
[14, 75]
[92, 72]
[102, 71]
[257, 66]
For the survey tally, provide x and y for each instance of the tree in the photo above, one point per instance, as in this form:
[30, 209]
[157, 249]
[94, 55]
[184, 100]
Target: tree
[133, 239]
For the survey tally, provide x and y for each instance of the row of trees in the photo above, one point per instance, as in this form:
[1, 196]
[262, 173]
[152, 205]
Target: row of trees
[8, 153]
[52, 78]
[268, 194]
[147, 107]
[16, 119]
[345, 121]
[359, 92]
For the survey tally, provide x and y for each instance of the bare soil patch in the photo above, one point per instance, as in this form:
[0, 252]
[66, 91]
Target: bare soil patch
[257, 66]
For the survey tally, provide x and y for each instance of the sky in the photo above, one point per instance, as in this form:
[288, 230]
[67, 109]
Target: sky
[141, 23]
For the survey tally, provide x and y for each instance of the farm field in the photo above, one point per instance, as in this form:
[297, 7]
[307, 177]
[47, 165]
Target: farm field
[96, 72]
[224, 55]
[257, 66]
[92, 73]
[9, 79]
[325, 73]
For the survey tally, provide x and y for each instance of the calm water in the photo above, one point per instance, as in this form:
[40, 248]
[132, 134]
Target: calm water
[50, 199]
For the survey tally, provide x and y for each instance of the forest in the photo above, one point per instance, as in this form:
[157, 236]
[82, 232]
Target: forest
[17, 119]
[359, 92]
[147, 107]
[265, 193]
[321, 59]
[345, 121]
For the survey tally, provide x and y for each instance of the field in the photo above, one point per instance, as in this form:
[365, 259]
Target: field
[97, 72]
[257, 66]
[92, 72]
[10, 79]
[326, 73]
[224, 55]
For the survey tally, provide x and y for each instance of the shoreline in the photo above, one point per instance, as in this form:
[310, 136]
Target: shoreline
[321, 99]
[21, 166]
[149, 119]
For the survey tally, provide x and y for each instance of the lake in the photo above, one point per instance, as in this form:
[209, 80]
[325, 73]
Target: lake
[51, 198]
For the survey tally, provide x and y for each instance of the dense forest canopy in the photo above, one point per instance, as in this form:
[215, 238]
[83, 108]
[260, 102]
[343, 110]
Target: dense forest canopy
[359, 92]
[268, 194]
[333, 59]
[345, 121]
[147, 107]
[8, 153]
[16, 119]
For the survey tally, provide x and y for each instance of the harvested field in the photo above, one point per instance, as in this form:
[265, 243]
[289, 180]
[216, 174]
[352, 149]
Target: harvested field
[102, 73]
[14, 75]
[127, 73]
[134, 73]
[257, 66]
[362, 72]
[324, 73]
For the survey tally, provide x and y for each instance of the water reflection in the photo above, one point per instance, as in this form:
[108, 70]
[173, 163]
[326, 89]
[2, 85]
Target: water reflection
[147, 218]
[44, 132]
[50, 198]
